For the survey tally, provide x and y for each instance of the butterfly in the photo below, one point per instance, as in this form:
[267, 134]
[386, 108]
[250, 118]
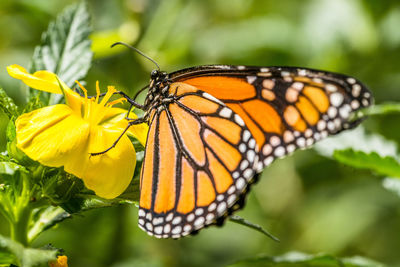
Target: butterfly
[214, 128]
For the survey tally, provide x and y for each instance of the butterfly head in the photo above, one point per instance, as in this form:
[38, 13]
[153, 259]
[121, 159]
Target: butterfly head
[158, 87]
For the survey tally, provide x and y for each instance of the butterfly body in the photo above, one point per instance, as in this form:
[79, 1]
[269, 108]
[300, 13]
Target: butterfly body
[213, 128]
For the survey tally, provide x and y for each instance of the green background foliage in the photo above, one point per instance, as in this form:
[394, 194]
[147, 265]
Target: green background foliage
[311, 202]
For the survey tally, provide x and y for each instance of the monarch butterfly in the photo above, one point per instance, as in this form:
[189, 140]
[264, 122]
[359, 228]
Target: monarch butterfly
[213, 128]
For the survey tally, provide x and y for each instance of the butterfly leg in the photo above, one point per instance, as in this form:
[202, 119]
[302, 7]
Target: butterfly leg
[130, 123]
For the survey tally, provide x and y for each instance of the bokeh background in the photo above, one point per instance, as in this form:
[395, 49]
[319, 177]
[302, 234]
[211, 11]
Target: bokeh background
[312, 203]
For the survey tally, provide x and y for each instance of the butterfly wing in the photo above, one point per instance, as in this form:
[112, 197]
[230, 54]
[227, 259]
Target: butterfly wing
[285, 108]
[193, 170]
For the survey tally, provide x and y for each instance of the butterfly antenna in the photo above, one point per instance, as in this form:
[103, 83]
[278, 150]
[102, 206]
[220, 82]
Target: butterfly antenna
[138, 51]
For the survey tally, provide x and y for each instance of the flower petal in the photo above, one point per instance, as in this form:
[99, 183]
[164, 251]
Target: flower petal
[52, 135]
[49, 82]
[116, 118]
[108, 174]
[40, 80]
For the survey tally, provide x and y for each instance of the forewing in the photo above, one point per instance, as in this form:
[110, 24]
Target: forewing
[200, 157]
[284, 108]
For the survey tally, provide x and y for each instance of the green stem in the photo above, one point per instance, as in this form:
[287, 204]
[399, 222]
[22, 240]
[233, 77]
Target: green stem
[22, 211]
[19, 229]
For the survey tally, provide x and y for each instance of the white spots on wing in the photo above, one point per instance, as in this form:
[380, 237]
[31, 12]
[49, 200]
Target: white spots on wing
[332, 112]
[301, 142]
[177, 220]
[308, 133]
[331, 126]
[252, 143]
[264, 70]
[355, 104]
[169, 217]
[290, 148]
[167, 228]
[251, 79]
[191, 216]
[280, 151]
[248, 174]
[321, 125]
[336, 99]
[267, 149]
[351, 80]
[298, 86]
[158, 230]
[242, 147]
[268, 160]
[158, 220]
[240, 183]
[302, 72]
[177, 230]
[274, 140]
[331, 88]
[356, 90]
[288, 136]
[344, 111]
[149, 226]
[285, 73]
[241, 67]
[141, 213]
[221, 208]
[251, 155]
[212, 207]
[210, 217]
[231, 190]
[244, 164]
[268, 84]
[199, 212]
[225, 112]
[210, 97]
[239, 120]
[246, 135]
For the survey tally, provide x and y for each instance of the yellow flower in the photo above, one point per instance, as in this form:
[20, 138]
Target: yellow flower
[66, 134]
[62, 261]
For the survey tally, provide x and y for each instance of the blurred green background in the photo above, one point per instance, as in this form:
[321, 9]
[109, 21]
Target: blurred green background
[312, 203]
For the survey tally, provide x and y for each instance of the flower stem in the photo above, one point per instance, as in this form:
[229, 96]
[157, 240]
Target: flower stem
[22, 213]
[19, 229]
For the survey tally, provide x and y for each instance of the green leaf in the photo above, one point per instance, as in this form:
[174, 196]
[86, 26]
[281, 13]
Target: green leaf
[382, 109]
[300, 259]
[8, 105]
[21, 256]
[45, 219]
[10, 168]
[65, 47]
[242, 221]
[357, 139]
[387, 166]
[392, 184]
[33, 103]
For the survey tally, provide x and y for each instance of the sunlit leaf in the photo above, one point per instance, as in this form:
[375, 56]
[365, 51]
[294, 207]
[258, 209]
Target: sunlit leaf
[7, 105]
[27, 257]
[392, 184]
[65, 47]
[387, 166]
[10, 168]
[45, 219]
[357, 139]
[300, 259]
[382, 109]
